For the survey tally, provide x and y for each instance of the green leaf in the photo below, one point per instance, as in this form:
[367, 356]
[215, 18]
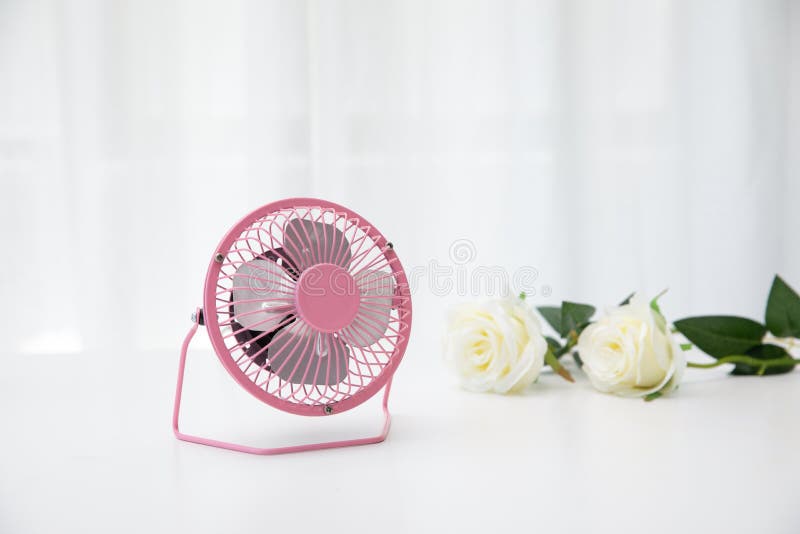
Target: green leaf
[652, 396]
[722, 335]
[552, 314]
[783, 309]
[556, 348]
[577, 358]
[764, 352]
[574, 316]
[661, 322]
[654, 303]
[627, 299]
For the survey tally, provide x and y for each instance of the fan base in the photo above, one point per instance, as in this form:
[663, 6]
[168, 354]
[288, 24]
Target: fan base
[266, 450]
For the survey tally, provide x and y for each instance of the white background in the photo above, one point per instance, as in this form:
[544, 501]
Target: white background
[610, 145]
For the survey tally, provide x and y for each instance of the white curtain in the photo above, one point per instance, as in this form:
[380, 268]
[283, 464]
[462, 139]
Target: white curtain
[612, 145]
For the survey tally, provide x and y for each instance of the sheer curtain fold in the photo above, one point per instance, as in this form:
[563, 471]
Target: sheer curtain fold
[611, 145]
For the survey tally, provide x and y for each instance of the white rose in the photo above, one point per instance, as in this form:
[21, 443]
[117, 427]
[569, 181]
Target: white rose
[495, 346]
[626, 352]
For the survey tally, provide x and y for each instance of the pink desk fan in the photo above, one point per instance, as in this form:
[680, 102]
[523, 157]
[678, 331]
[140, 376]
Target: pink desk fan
[308, 308]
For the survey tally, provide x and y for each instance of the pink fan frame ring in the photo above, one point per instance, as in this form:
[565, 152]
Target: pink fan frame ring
[383, 380]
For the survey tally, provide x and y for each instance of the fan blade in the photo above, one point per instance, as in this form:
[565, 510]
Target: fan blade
[310, 242]
[374, 312]
[262, 294]
[255, 343]
[279, 256]
[301, 356]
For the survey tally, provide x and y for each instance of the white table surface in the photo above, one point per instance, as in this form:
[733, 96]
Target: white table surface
[87, 447]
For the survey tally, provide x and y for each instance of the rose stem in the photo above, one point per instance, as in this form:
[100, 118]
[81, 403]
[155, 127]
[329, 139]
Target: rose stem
[748, 360]
[554, 364]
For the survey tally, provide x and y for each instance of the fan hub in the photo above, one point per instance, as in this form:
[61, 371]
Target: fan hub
[327, 297]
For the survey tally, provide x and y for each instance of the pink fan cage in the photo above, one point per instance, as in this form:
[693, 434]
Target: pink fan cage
[308, 308]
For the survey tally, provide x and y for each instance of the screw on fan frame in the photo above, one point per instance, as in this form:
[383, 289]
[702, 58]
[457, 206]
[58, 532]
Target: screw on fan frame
[308, 308]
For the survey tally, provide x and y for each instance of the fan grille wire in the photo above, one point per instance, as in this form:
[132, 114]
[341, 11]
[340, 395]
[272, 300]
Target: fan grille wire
[266, 237]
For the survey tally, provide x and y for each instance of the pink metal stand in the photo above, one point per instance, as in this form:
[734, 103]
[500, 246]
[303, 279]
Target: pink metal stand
[269, 450]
